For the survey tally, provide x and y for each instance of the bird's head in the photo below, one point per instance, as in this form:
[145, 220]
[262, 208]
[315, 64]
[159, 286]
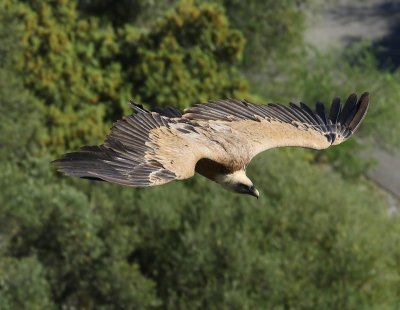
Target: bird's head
[238, 182]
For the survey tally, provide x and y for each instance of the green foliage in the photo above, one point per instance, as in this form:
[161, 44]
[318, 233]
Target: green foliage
[20, 112]
[20, 119]
[301, 246]
[68, 63]
[189, 56]
[324, 226]
[314, 245]
[23, 284]
[72, 240]
[66, 60]
[313, 241]
[271, 28]
[347, 159]
[7, 33]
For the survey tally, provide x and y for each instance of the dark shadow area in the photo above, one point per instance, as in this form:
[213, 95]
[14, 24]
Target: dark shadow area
[118, 12]
[371, 16]
[384, 10]
[387, 49]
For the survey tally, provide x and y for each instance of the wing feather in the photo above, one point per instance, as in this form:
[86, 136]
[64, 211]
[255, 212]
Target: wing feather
[140, 151]
[309, 112]
[362, 108]
[320, 110]
[261, 127]
[335, 110]
[348, 109]
[144, 149]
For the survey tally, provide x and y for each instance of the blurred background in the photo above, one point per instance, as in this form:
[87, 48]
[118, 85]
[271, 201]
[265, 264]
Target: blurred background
[325, 233]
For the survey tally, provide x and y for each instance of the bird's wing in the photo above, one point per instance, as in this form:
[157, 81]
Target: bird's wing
[149, 148]
[143, 149]
[262, 127]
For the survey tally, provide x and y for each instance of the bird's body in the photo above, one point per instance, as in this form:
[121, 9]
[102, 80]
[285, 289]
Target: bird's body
[217, 139]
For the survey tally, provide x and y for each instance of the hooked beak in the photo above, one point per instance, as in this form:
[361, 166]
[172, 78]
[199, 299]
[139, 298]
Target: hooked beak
[254, 192]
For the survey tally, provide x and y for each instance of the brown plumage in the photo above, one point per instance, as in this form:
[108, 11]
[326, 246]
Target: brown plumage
[217, 139]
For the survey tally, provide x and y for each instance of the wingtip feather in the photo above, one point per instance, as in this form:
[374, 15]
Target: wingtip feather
[362, 108]
[335, 110]
[137, 106]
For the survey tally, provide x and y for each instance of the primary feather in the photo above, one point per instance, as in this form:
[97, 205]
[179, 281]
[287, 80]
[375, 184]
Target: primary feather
[216, 139]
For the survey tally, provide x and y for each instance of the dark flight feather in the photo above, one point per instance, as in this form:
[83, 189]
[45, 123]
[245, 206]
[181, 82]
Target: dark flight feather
[348, 109]
[335, 110]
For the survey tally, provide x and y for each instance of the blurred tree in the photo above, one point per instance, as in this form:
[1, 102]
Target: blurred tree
[74, 65]
[189, 56]
[273, 30]
[17, 106]
[302, 246]
[69, 64]
[77, 250]
[50, 253]
[21, 117]
[23, 284]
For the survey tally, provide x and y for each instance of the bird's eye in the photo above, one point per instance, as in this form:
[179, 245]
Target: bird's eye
[242, 187]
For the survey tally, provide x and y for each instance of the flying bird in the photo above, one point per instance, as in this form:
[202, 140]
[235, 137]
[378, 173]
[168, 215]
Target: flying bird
[216, 139]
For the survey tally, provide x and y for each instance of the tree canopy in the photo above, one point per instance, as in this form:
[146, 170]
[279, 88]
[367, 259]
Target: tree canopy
[320, 236]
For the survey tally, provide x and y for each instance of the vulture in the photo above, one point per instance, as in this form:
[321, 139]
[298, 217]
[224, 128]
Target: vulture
[216, 139]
